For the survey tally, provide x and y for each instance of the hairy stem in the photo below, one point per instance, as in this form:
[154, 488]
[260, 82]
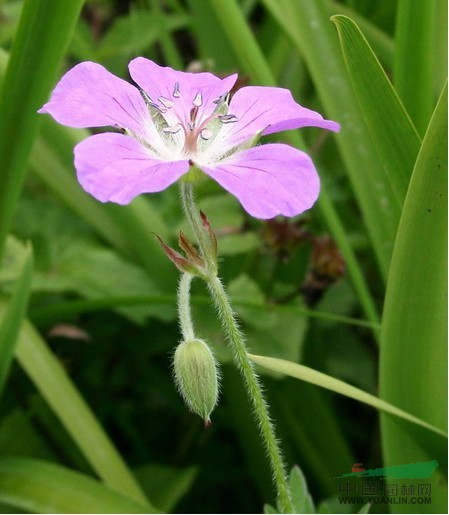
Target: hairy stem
[185, 316]
[237, 345]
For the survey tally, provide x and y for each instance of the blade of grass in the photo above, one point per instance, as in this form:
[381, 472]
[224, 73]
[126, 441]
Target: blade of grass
[413, 58]
[42, 36]
[413, 357]
[11, 322]
[393, 133]
[382, 43]
[317, 378]
[307, 24]
[440, 47]
[49, 377]
[42, 487]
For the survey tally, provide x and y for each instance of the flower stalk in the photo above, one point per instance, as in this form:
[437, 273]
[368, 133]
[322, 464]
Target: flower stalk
[184, 313]
[236, 342]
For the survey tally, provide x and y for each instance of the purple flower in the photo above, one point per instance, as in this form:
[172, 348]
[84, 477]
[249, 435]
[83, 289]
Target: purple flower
[174, 120]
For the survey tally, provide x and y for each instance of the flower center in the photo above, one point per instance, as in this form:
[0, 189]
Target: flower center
[173, 119]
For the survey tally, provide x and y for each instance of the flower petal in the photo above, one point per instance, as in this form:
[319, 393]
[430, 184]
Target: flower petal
[269, 180]
[160, 82]
[267, 109]
[117, 168]
[90, 96]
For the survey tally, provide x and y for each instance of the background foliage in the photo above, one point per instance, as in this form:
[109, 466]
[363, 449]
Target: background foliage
[355, 289]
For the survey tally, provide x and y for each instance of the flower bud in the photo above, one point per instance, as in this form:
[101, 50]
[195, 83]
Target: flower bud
[196, 376]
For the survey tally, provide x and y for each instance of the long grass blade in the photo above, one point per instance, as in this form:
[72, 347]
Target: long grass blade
[317, 378]
[413, 358]
[394, 135]
[413, 58]
[42, 36]
[42, 487]
[11, 321]
[381, 42]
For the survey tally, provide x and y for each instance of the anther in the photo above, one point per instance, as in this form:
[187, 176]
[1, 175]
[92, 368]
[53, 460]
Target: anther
[198, 100]
[145, 96]
[173, 129]
[206, 134]
[193, 115]
[166, 102]
[176, 92]
[220, 99]
[228, 118]
[158, 108]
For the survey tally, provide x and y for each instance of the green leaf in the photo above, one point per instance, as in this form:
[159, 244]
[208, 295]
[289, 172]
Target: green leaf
[394, 136]
[301, 499]
[38, 47]
[330, 383]
[381, 42]
[47, 373]
[11, 321]
[413, 358]
[414, 53]
[267, 508]
[42, 487]
[440, 49]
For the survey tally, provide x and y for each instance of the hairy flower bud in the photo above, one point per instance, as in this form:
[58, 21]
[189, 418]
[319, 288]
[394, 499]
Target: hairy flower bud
[196, 376]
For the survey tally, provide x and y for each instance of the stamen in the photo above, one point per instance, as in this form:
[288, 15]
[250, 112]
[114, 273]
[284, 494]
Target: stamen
[221, 99]
[173, 129]
[228, 118]
[149, 102]
[155, 106]
[176, 92]
[166, 102]
[198, 100]
[193, 114]
[206, 134]
[191, 126]
[147, 99]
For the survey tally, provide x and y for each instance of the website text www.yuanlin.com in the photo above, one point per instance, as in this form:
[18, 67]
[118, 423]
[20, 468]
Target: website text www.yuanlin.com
[385, 500]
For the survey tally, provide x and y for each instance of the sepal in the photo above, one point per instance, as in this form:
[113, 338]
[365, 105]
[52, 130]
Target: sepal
[181, 263]
[213, 246]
